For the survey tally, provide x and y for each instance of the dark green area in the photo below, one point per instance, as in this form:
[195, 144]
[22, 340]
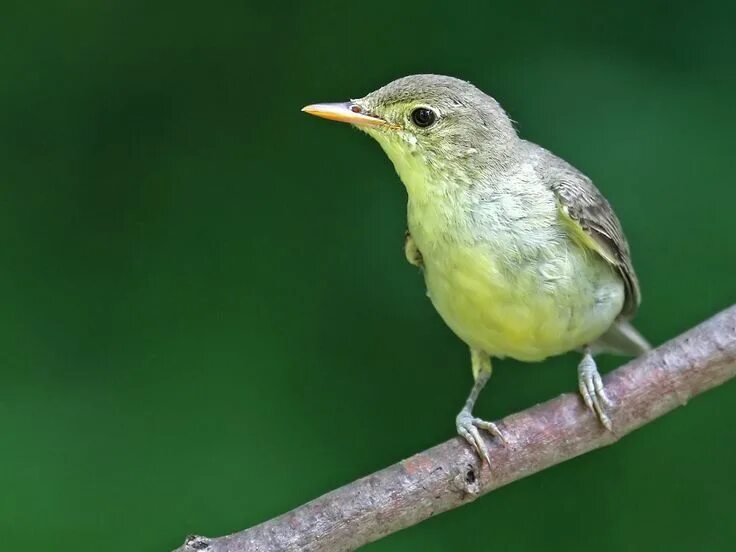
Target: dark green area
[207, 318]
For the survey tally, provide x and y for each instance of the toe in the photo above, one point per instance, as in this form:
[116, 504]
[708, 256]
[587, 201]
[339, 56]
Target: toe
[465, 434]
[491, 428]
[600, 391]
[592, 390]
[585, 392]
[480, 444]
[474, 439]
[602, 416]
[468, 431]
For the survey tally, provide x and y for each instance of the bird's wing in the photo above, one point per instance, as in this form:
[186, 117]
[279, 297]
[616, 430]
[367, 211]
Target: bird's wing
[592, 222]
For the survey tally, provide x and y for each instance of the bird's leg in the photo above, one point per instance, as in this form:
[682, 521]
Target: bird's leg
[467, 424]
[591, 388]
[413, 255]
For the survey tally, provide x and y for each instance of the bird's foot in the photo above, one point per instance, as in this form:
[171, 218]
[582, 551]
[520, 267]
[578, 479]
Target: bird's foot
[468, 426]
[591, 388]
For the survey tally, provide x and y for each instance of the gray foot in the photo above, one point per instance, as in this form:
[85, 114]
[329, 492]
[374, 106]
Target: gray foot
[468, 426]
[591, 388]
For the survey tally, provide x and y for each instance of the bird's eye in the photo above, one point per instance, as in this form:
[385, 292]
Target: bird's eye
[423, 117]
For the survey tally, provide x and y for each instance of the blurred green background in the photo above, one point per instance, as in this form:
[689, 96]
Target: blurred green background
[207, 315]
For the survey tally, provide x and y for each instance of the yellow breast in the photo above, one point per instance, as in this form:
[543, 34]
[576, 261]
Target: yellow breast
[529, 313]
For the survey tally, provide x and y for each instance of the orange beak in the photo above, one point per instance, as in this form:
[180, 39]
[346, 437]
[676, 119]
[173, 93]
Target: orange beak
[347, 112]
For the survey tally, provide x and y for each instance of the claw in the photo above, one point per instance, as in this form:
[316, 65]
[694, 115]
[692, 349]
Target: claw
[468, 426]
[491, 428]
[480, 444]
[592, 390]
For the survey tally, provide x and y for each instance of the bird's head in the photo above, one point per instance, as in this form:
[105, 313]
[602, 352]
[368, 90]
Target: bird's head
[438, 125]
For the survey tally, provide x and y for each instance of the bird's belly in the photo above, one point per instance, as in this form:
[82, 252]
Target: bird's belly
[527, 310]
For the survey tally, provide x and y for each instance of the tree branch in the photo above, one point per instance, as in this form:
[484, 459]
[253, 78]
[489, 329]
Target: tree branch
[449, 475]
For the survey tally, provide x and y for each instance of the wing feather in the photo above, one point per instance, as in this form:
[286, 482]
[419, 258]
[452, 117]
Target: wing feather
[592, 222]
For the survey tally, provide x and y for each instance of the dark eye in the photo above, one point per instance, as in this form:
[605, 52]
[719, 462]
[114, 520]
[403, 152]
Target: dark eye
[423, 117]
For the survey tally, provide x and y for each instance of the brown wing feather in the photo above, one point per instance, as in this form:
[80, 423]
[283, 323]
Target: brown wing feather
[581, 201]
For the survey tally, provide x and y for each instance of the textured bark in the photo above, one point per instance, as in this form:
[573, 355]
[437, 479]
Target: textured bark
[449, 475]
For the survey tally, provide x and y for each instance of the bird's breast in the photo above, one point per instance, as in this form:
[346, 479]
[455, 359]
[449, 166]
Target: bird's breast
[525, 291]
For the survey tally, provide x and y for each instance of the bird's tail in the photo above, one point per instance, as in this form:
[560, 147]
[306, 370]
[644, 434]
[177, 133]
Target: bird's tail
[622, 339]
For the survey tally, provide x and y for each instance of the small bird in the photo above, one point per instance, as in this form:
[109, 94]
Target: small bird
[522, 256]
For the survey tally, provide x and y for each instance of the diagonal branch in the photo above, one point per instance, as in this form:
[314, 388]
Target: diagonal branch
[449, 475]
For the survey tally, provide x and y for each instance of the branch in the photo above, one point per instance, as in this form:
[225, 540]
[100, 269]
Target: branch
[448, 475]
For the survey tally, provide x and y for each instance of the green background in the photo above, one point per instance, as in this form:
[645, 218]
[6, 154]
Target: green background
[207, 318]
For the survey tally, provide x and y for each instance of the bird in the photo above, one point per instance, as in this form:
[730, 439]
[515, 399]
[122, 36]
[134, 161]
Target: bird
[522, 256]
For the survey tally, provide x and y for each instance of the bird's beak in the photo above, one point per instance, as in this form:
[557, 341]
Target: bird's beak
[347, 112]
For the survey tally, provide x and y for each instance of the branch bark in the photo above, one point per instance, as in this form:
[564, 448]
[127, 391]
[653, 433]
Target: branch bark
[449, 475]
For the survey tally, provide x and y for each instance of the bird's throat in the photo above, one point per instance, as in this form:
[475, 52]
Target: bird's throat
[436, 199]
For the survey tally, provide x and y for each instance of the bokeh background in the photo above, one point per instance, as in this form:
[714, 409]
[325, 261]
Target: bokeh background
[207, 318]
